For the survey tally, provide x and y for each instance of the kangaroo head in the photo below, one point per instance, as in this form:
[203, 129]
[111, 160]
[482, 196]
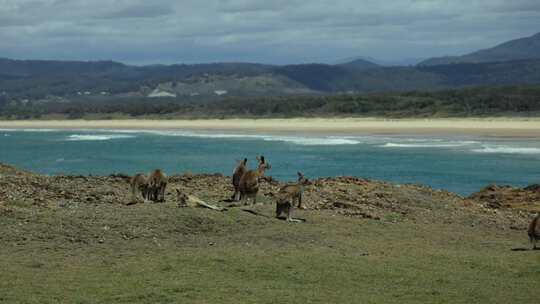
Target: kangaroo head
[302, 179]
[263, 165]
[242, 163]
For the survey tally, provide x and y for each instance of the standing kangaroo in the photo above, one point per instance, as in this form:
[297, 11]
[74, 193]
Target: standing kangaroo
[288, 194]
[139, 187]
[534, 231]
[249, 182]
[157, 182]
[238, 172]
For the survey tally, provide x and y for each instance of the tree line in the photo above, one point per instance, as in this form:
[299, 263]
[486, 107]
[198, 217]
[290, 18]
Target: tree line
[475, 101]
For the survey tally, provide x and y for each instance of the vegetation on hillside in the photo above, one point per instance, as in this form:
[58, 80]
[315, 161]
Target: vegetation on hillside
[478, 101]
[518, 49]
[47, 80]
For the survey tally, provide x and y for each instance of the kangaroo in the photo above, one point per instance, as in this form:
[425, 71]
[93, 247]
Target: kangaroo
[237, 175]
[249, 182]
[157, 182]
[288, 194]
[534, 231]
[139, 187]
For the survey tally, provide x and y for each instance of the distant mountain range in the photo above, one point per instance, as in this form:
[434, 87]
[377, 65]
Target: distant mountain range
[359, 64]
[379, 62]
[523, 48]
[512, 63]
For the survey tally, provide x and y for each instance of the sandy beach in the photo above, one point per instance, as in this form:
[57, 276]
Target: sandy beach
[511, 127]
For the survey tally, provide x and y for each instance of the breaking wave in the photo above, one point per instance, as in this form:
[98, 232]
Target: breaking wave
[390, 142]
[436, 144]
[507, 150]
[298, 140]
[97, 137]
[314, 141]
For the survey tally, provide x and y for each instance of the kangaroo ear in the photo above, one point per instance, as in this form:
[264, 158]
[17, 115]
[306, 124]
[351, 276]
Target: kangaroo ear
[299, 174]
[262, 159]
[245, 161]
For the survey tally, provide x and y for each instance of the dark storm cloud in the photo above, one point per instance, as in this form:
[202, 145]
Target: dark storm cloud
[279, 31]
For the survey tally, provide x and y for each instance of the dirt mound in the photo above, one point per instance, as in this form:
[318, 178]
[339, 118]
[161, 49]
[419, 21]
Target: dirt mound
[8, 170]
[347, 195]
[62, 190]
[508, 197]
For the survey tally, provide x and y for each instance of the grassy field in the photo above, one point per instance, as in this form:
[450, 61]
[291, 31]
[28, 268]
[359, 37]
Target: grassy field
[158, 253]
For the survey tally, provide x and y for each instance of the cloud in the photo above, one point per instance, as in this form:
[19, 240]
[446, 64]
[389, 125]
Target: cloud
[280, 31]
[140, 11]
[247, 6]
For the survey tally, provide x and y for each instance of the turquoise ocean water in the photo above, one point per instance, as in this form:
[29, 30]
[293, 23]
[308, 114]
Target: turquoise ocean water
[456, 163]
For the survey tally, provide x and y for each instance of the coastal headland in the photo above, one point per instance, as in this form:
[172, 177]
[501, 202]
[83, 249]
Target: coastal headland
[80, 239]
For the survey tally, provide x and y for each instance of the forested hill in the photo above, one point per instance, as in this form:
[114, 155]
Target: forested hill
[68, 81]
[516, 62]
[479, 101]
[518, 49]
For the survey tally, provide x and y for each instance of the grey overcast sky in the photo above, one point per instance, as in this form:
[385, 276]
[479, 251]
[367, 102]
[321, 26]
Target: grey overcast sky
[267, 31]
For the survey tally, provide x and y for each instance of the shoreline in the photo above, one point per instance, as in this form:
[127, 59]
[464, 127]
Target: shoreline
[502, 127]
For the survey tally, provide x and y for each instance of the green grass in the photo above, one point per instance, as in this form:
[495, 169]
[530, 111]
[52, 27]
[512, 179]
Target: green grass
[162, 254]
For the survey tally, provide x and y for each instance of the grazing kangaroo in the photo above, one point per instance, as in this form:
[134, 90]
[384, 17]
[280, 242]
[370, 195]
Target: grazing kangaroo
[139, 187]
[249, 182]
[534, 231]
[237, 175]
[157, 182]
[288, 194]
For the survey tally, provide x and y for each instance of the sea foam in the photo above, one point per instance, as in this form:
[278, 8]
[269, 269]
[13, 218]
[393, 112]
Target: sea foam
[507, 150]
[97, 137]
[298, 140]
[430, 144]
[313, 141]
